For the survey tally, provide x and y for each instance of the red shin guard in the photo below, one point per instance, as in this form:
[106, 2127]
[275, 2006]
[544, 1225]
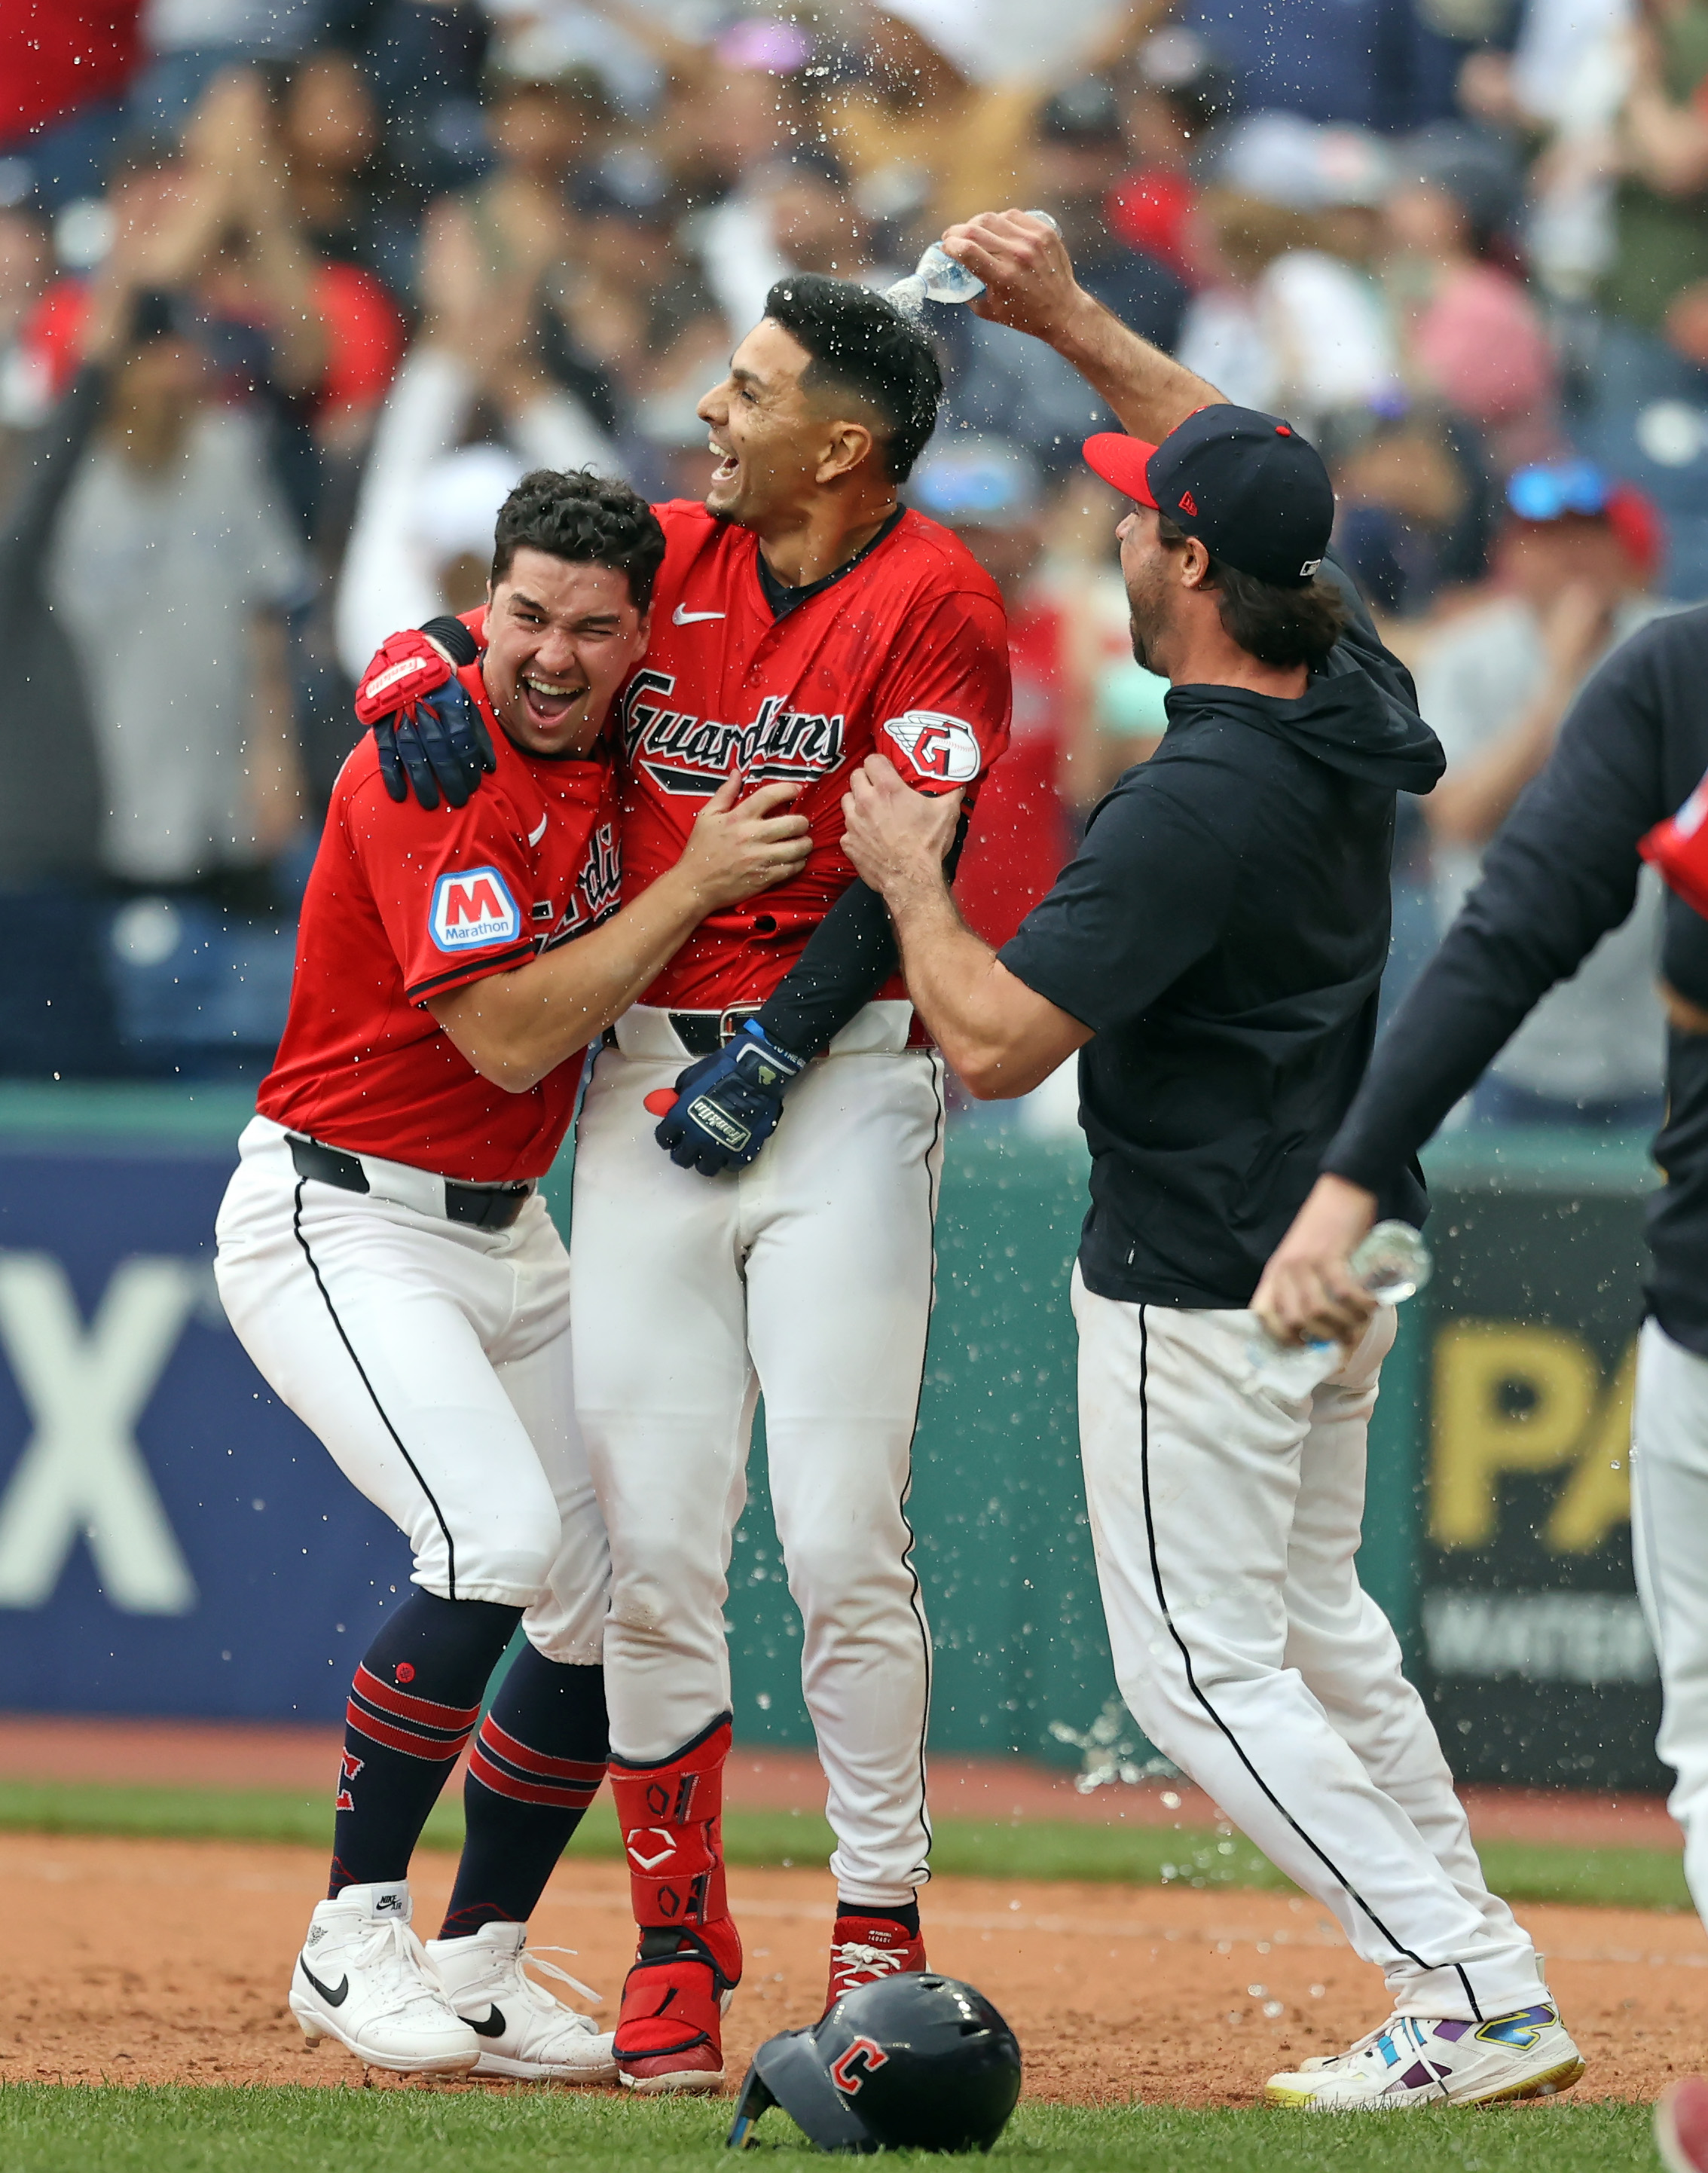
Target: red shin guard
[690, 1954]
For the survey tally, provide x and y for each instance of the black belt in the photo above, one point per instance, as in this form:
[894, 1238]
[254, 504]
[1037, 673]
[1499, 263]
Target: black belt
[485, 1207]
[703, 1033]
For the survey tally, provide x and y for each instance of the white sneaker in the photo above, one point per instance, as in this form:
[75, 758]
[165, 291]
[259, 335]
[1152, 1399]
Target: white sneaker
[362, 1979]
[524, 2030]
[1417, 2062]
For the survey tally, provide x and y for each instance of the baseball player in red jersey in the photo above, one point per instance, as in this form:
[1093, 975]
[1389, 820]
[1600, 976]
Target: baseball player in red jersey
[802, 620]
[386, 1261]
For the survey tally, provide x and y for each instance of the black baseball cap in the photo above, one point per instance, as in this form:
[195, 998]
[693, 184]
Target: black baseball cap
[1246, 484]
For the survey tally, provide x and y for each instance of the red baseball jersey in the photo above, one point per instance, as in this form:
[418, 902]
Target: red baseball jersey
[905, 654]
[405, 903]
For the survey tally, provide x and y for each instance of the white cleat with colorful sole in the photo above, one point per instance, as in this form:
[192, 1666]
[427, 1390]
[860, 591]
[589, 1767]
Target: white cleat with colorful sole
[1417, 2061]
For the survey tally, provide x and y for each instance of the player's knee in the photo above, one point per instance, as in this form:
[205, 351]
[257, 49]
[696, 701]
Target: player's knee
[511, 1560]
[671, 1586]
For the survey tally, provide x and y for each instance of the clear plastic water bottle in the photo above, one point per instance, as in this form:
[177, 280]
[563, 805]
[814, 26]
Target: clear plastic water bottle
[937, 278]
[1392, 1264]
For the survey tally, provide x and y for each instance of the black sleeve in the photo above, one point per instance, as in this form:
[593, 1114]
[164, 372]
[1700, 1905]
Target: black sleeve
[1559, 875]
[848, 957]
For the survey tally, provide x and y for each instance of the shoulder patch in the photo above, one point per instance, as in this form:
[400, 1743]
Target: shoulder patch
[472, 907]
[941, 748]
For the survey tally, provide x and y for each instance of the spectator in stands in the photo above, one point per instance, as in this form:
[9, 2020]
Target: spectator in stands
[1470, 335]
[1281, 324]
[1573, 567]
[474, 376]
[171, 565]
[57, 1017]
[1173, 98]
[347, 193]
[1079, 156]
[793, 213]
[1662, 244]
[546, 135]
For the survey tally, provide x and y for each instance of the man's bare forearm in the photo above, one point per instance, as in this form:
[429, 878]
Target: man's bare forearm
[1150, 392]
[516, 1027]
[948, 970]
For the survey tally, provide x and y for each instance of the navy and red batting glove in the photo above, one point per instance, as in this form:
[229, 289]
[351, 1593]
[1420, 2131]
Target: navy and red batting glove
[429, 734]
[439, 746]
[727, 1106]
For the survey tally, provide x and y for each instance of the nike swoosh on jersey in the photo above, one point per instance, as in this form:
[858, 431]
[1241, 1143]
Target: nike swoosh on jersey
[681, 617]
[535, 834]
[493, 2026]
[332, 1998]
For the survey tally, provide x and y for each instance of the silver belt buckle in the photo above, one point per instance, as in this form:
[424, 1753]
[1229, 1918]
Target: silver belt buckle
[731, 1021]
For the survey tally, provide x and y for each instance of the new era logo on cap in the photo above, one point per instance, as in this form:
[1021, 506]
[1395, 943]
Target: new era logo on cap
[1247, 484]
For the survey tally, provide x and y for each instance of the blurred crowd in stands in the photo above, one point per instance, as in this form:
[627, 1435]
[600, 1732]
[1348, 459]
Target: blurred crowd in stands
[291, 291]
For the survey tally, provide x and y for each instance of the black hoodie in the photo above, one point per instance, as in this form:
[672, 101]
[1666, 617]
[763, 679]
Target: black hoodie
[1223, 933]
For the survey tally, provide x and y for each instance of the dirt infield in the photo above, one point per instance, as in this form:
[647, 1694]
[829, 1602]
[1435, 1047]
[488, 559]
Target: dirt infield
[225, 1754]
[167, 1961]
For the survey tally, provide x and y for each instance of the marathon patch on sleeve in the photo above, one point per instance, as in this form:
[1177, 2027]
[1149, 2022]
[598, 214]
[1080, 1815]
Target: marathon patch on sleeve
[472, 909]
[940, 747]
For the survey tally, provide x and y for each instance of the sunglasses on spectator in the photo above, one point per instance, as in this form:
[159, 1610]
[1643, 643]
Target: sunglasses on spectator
[1545, 493]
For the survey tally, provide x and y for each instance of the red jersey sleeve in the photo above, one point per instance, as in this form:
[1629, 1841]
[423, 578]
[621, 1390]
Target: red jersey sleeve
[941, 712]
[453, 885]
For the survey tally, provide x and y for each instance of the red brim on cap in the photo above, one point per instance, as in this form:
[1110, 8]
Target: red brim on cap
[1122, 461]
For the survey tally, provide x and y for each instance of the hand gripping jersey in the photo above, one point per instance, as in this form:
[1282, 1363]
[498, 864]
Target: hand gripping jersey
[906, 654]
[406, 903]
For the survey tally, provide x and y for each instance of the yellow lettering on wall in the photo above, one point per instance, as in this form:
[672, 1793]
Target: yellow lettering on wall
[1477, 1437]
[1598, 1493]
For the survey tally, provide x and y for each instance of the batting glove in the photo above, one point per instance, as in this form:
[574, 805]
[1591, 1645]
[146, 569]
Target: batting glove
[727, 1106]
[441, 744]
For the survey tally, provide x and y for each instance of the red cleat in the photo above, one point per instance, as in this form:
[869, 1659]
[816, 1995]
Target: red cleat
[863, 1949]
[1681, 2126]
[670, 2033]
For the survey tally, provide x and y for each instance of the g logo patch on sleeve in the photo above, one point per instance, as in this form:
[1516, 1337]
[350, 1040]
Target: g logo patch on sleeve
[472, 909]
[941, 748]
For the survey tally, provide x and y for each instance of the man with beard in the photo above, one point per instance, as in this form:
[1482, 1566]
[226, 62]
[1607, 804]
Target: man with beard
[1215, 954]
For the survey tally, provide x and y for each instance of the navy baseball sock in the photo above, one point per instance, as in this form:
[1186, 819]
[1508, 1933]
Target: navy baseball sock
[535, 1766]
[413, 1704]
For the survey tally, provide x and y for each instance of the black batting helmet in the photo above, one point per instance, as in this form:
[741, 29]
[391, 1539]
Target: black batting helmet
[913, 2062]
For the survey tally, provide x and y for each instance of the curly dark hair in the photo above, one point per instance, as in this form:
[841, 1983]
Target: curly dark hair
[1278, 626]
[586, 518]
[862, 344]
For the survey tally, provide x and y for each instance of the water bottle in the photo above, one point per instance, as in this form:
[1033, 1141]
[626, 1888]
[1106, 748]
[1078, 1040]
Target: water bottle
[1392, 1264]
[937, 278]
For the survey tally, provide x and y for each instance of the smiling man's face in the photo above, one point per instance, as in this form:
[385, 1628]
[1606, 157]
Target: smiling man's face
[769, 435]
[561, 637]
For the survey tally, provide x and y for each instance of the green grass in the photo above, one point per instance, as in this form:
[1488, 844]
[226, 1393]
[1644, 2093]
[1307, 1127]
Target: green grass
[1036, 1848]
[44, 2129]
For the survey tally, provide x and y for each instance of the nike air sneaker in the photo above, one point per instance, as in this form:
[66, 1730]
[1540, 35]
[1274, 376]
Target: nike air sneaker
[1418, 2061]
[864, 1950]
[364, 1979]
[524, 2031]
[1681, 2126]
[670, 2033]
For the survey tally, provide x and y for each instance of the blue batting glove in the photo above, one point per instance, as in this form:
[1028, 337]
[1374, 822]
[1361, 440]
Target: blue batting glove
[437, 745]
[727, 1106]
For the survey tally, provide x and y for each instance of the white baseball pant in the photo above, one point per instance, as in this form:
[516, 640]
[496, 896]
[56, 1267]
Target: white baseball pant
[1225, 1519]
[807, 1276]
[433, 1360]
[1669, 1522]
